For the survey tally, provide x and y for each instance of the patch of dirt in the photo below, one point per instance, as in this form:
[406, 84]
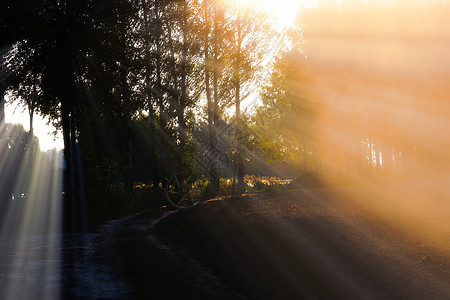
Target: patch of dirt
[319, 243]
[122, 261]
[307, 244]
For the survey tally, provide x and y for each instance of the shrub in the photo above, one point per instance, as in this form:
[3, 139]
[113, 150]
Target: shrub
[264, 183]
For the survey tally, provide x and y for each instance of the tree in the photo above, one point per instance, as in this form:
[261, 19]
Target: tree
[69, 46]
[249, 43]
[285, 123]
[215, 29]
[96, 68]
[207, 70]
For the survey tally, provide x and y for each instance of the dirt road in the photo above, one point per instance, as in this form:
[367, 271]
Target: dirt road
[306, 244]
[323, 243]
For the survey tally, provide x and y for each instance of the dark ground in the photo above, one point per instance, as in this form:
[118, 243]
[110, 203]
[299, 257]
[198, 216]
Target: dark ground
[310, 244]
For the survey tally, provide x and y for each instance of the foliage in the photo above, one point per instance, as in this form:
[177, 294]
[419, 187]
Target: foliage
[285, 123]
[264, 183]
[125, 82]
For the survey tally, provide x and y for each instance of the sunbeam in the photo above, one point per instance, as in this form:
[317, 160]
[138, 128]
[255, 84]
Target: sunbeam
[223, 149]
[30, 231]
[383, 119]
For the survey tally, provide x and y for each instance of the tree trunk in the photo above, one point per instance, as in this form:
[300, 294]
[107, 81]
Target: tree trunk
[68, 159]
[127, 146]
[183, 98]
[5, 180]
[128, 176]
[31, 108]
[159, 172]
[66, 98]
[216, 97]
[154, 159]
[207, 73]
[158, 91]
[155, 164]
[174, 94]
[239, 158]
[30, 134]
[212, 149]
[2, 109]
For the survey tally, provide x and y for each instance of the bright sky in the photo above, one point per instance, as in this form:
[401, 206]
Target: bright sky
[285, 11]
[47, 140]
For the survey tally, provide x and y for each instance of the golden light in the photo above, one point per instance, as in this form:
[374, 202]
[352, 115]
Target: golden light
[31, 218]
[380, 76]
[283, 12]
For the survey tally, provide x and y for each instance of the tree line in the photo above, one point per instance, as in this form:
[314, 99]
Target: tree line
[362, 103]
[154, 85]
[144, 90]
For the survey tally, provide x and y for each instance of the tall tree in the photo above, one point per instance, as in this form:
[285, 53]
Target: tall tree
[249, 42]
[207, 70]
[285, 122]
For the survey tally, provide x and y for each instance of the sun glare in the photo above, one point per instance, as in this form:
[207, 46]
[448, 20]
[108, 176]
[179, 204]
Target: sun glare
[378, 73]
[284, 12]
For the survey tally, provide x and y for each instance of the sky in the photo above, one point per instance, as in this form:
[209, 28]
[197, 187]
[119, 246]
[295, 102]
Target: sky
[284, 11]
[47, 140]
